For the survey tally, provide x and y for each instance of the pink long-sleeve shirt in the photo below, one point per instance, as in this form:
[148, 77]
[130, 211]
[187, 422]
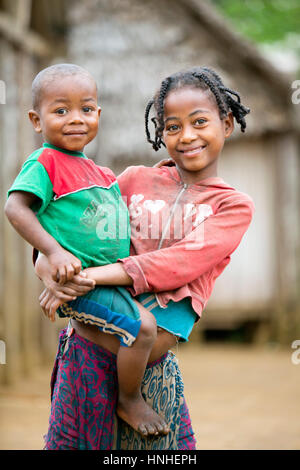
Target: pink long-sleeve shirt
[182, 235]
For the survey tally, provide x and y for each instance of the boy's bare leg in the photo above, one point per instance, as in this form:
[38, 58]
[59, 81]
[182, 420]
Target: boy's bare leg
[131, 365]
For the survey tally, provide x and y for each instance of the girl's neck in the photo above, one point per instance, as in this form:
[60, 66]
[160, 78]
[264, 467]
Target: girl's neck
[193, 177]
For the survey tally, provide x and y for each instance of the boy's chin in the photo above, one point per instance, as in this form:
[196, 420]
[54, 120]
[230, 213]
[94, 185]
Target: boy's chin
[70, 147]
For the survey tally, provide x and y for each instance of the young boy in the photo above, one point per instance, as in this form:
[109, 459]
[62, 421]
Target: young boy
[60, 202]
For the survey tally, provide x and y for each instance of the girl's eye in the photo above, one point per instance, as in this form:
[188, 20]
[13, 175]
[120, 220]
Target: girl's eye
[199, 122]
[172, 128]
[87, 109]
[61, 111]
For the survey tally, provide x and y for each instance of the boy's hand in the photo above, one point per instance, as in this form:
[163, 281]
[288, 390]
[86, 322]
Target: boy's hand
[79, 285]
[63, 265]
[53, 297]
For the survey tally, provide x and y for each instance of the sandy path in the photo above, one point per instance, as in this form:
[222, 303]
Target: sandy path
[239, 398]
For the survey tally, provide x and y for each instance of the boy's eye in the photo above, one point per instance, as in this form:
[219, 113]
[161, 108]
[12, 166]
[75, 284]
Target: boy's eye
[61, 111]
[87, 109]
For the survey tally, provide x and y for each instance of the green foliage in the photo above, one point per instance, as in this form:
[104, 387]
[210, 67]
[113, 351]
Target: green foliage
[263, 21]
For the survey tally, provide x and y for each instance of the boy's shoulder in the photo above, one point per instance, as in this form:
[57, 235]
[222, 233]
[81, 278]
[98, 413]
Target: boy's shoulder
[68, 172]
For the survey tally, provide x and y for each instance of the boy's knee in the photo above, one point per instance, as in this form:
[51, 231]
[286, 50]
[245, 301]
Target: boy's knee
[148, 330]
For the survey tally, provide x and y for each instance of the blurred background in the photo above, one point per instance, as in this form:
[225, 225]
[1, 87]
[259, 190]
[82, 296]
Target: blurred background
[244, 341]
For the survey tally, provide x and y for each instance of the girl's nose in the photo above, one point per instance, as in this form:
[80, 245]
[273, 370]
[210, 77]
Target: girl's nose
[188, 134]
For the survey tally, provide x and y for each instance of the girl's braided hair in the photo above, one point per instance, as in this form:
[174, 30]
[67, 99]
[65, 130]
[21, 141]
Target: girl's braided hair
[198, 77]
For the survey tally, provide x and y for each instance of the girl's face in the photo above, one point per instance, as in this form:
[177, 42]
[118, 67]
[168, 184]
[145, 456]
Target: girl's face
[194, 133]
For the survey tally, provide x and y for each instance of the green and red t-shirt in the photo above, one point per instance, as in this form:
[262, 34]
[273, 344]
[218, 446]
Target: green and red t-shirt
[79, 204]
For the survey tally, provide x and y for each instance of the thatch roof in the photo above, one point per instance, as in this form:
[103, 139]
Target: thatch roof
[266, 89]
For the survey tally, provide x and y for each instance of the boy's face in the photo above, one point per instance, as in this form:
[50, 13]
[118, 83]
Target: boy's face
[68, 115]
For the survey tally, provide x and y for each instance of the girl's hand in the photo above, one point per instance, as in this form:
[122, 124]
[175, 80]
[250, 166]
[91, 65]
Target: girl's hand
[49, 304]
[165, 162]
[80, 285]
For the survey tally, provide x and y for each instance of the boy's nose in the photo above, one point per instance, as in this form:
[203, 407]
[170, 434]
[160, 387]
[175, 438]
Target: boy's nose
[76, 117]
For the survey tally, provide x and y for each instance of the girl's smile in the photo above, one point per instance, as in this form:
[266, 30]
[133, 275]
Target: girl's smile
[194, 133]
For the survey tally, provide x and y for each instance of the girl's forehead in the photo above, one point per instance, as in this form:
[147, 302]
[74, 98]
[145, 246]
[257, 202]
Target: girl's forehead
[186, 98]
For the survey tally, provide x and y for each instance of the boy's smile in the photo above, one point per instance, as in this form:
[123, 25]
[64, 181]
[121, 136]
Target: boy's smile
[68, 114]
[194, 133]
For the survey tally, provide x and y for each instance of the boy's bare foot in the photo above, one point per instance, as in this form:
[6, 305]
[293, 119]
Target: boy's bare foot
[141, 417]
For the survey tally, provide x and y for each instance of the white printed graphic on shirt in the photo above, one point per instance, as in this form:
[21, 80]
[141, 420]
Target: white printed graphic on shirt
[186, 218]
[154, 206]
[203, 211]
[134, 209]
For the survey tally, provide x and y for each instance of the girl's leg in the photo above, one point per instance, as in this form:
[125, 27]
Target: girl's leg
[83, 396]
[131, 365]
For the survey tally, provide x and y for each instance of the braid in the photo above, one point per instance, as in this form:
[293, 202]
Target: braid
[199, 77]
[238, 110]
[160, 112]
[148, 107]
[214, 89]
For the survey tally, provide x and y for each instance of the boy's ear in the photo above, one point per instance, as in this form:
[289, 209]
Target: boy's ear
[99, 111]
[35, 119]
[229, 125]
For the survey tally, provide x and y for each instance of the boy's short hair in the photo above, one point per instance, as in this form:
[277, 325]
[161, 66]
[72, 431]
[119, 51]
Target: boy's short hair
[45, 76]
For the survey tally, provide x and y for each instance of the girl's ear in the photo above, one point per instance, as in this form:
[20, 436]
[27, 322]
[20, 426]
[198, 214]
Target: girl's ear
[36, 121]
[99, 111]
[229, 125]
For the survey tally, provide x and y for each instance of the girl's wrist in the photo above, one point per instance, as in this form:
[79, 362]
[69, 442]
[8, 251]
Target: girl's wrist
[88, 273]
[109, 275]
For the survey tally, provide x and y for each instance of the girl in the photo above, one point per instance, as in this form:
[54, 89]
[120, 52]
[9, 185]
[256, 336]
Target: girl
[186, 222]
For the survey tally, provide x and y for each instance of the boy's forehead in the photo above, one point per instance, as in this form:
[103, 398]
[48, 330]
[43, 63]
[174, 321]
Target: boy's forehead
[78, 81]
[61, 86]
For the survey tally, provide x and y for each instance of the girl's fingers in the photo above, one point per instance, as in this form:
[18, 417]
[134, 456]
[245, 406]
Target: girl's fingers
[45, 299]
[52, 309]
[69, 289]
[83, 281]
[73, 289]
[64, 297]
[42, 295]
[44, 309]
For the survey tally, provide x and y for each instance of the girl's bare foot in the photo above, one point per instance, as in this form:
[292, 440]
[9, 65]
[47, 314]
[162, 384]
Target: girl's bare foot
[141, 417]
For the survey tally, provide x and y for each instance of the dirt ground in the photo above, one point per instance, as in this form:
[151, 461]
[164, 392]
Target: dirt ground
[240, 397]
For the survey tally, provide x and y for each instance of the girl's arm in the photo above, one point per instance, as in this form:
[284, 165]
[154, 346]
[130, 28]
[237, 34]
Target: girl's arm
[109, 275]
[170, 268]
[18, 211]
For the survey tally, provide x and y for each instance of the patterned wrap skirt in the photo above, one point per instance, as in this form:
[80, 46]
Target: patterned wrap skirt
[84, 392]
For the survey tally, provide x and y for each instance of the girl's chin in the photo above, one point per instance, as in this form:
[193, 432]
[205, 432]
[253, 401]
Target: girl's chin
[192, 166]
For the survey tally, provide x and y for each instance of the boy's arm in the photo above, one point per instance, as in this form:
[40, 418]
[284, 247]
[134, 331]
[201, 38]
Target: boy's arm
[18, 211]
